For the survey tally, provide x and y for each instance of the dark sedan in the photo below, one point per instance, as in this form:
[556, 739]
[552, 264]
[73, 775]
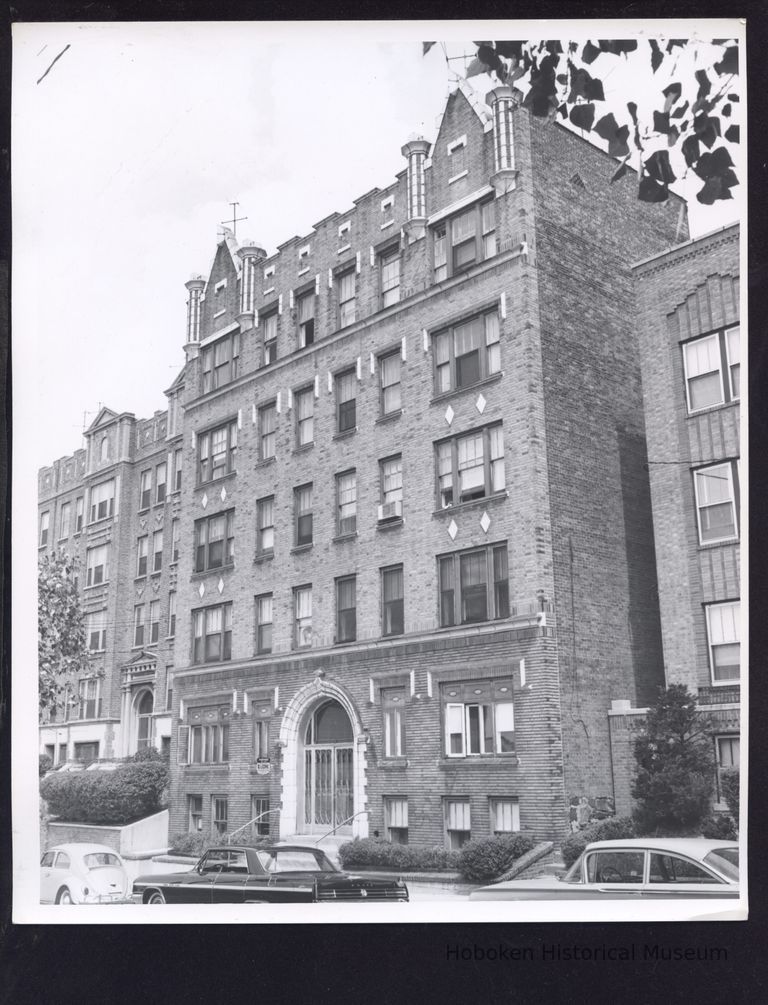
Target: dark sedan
[275, 874]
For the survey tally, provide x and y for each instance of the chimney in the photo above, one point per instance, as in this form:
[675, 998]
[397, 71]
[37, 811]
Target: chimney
[196, 285]
[251, 254]
[502, 101]
[416, 151]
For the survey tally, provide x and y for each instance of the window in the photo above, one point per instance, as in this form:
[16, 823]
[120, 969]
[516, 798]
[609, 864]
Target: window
[168, 689]
[171, 614]
[88, 698]
[104, 449]
[724, 638]
[260, 737]
[265, 525]
[161, 475]
[345, 290]
[260, 816]
[674, 869]
[302, 501]
[45, 522]
[483, 586]
[65, 518]
[615, 866]
[458, 828]
[208, 741]
[396, 819]
[727, 750]
[305, 310]
[479, 718]
[145, 489]
[392, 600]
[215, 541]
[467, 353]
[219, 362]
[270, 338]
[391, 477]
[142, 552]
[505, 816]
[219, 813]
[393, 706]
[346, 391]
[102, 501]
[78, 514]
[305, 412]
[346, 503]
[346, 609]
[84, 754]
[302, 605]
[389, 276]
[212, 634]
[216, 451]
[712, 369]
[195, 813]
[174, 540]
[389, 369]
[154, 621]
[267, 423]
[264, 623]
[97, 565]
[470, 466]
[157, 551]
[96, 631]
[457, 164]
[467, 238]
[145, 725]
[716, 502]
[138, 625]
[178, 456]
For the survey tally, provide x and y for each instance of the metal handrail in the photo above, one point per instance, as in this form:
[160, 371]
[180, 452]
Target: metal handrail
[343, 822]
[255, 820]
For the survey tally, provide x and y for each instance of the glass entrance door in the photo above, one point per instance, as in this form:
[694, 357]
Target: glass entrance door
[328, 769]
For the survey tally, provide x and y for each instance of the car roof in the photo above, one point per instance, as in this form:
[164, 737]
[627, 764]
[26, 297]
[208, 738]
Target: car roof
[265, 847]
[695, 847]
[83, 847]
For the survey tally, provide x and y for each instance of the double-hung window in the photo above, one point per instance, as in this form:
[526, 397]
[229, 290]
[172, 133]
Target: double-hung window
[97, 565]
[88, 698]
[269, 324]
[65, 518]
[215, 541]
[171, 618]
[305, 416]
[45, 523]
[264, 623]
[346, 292]
[96, 631]
[396, 818]
[302, 606]
[389, 273]
[78, 514]
[346, 502]
[458, 823]
[391, 478]
[346, 401]
[392, 618]
[505, 815]
[464, 239]
[302, 500]
[142, 553]
[102, 501]
[470, 466]
[717, 502]
[265, 525]
[161, 477]
[219, 362]
[157, 551]
[267, 425]
[727, 749]
[207, 740]
[389, 370]
[145, 489]
[346, 609]
[724, 638]
[712, 369]
[393, 709]
[212, 634]
[195, 813]
[175, 538]
[138, 625]
[154, 621]
[478, 718]
[474, 585]
[216, 450]
[467, 353]
[305, 310]
[178, 458]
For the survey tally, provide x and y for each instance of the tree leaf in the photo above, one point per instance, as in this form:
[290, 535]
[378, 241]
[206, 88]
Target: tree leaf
[651, 191]
[734, 97]
[707, 129]
[717, 163]
[705, 85]
[661, 122]
[726, 111]
[426, 46]
[584, 86]
[476, 67]
[583, 115]
[589, 53]
[691, 150]
[671, 95]
[512, 50]
[713, 191]
[673, 42]
[659, 169]
[732, 134]
[618, 46]
[729, 64]
[680, 112]
[620, 172]
[657, 57]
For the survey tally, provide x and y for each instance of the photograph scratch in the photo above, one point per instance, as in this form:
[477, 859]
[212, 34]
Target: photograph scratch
[54, 61]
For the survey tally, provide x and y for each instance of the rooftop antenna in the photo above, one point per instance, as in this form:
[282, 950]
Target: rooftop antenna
[235, 218]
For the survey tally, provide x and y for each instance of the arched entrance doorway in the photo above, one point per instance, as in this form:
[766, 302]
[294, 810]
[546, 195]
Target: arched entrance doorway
[328, 789]
[145, 706]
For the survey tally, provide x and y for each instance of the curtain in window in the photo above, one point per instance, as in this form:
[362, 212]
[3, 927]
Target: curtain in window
[303, 604]
[306, 308]
[346, 385]
[392, 479]
[470, 460]
[463, 227]
[724, 624]
[397, 812]
[346, 593]
[346, 286]
[304, 405]
[393, 585]
[468, 337]
[496, 436]
[458, 814]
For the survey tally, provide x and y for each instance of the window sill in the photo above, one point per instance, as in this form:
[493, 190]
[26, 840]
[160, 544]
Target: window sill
[215, 481]
[207, 766]
[140, 578]
[211, 572]
[483, 501]
[345, 642]
[446, 395]
[388, 417]
[394, 763]
[707, 545]
[340, 538]
[95, 586]
[494, 761]
[389, 524]
[297, 549]
[265, 462]
[265, 556]
[712, 408]
[155, 572]
[303, 448]
[343, 435]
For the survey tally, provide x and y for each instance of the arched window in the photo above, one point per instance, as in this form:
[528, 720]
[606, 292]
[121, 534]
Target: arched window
[329, 724]
[144, 709]
[104, 448]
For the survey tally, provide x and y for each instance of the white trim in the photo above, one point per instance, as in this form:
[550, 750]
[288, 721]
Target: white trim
[457, 177]
[387, 202]
[304, 250]
[455, 144]
[220, 285]
[265, 293]
[387, 224]
[304, 271]
[269, 271]
[345, 227]
[343, 248]
[219, 313]
[220, 333]
[731, 499]
[454, 207]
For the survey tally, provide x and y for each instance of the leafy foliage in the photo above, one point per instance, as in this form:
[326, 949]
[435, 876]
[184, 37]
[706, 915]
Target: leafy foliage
[129, 792]
[62, 651]
[555, 81]
[195, 843]
[613, 828]
[366, 851]
[719, 826]
[729, 781]
[487, 858]
[46, 763]
[675, 777]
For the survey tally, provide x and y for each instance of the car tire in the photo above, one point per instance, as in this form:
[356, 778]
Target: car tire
[154, 897]
[64, 896]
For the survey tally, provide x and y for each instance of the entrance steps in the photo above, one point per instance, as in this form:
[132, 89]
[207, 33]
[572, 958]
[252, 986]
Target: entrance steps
[330, 845]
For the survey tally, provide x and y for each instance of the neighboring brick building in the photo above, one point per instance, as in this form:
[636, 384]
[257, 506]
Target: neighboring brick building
[416, 560]
[688, 325]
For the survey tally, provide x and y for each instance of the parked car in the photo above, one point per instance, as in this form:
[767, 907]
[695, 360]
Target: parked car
[82, 874]
[634, 868]
[273, 874]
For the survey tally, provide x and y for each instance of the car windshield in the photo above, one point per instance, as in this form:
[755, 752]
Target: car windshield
[99, 859]
[294, 860]
[726, 860]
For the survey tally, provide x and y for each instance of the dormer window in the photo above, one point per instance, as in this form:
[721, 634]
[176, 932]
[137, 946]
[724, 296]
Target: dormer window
[220, 362]
[464, 239]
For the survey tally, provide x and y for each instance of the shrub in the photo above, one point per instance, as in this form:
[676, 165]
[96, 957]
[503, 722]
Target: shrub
[604, 830]
[488, 858]
[131, 791]
[729, 780]
[720, 827]
[195, 843]
[367, 851]
[149, 754]
[46, 763]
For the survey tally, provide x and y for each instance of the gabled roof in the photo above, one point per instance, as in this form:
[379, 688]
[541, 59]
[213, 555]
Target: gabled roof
[142, 658]
[105, 416]
[227, 239]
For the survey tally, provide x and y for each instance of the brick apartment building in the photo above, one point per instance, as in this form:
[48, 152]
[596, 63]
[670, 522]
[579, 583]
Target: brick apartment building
[409, 564]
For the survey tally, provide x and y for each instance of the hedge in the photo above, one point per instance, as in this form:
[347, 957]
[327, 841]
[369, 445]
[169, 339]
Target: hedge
[382, 854]
[729, 780]
[195, 843]
[719, 827]
[131, 791]
[46, 763]
[603, 830]
[488, 858]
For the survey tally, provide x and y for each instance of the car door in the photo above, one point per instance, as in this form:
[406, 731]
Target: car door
[196, 887]
[615, 873]
[47, 890]
[672, 875]
[230, 880]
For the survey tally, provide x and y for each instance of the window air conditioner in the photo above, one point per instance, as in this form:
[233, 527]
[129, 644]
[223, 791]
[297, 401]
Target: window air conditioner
[391, 510]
